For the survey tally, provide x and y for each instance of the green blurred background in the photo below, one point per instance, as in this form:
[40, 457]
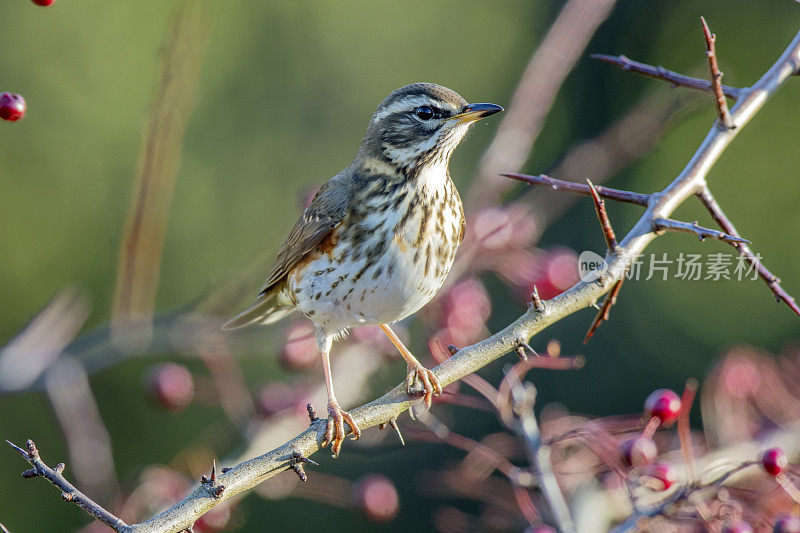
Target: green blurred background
[285, 92]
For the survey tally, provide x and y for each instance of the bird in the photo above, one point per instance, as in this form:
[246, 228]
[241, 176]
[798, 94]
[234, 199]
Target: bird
[378, 239]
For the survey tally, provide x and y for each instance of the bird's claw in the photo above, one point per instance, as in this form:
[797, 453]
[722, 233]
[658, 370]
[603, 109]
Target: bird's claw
[430, 383]
[334, 429]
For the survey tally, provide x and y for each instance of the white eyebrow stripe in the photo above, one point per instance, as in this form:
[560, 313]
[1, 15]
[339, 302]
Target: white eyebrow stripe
[406, 104]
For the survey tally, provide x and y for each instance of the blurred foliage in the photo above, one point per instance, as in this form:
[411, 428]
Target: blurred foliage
[284, 95]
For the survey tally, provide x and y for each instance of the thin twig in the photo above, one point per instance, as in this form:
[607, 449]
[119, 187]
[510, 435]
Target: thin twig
[438, 430]
[605, 310]
[684, 431]
[538, 453]
[68, 492]
[716, 77]
[661, 225]
[579, 188]
[660, 73]
[772, 281]
[605, 223]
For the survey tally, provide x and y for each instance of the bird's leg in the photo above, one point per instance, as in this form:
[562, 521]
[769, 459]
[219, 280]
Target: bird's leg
[334, 431]
[430, 383]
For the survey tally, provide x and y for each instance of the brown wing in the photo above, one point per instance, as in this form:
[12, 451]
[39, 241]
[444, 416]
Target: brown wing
[326, 211]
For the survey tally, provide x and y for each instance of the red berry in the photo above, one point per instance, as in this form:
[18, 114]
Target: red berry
[44, 2]
[737, 526]
[663, 404]
[786, 523]
[377, 498]
[663, 473]
[12, 106]
[774, 461]
[638, 451]
[171, 385]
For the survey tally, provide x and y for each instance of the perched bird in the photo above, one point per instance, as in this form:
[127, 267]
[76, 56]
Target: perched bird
[378, 239]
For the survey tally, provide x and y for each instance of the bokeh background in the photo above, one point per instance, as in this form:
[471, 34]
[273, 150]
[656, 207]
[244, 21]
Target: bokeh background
[282, 99]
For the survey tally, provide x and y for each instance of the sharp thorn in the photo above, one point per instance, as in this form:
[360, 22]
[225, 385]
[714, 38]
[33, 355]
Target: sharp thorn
[396, 428]
[20, 450]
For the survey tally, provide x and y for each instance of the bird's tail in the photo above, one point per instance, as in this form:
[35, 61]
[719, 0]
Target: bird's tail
[265, 310]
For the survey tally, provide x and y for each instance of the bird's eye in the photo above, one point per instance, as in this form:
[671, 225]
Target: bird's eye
[424, 112]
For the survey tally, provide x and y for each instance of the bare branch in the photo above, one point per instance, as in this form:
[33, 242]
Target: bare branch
[772, 281]
[579, 188]
[605, 223]
[716, 77]
[660, 73]
[661, 225]
[68, 492]
[527, 428]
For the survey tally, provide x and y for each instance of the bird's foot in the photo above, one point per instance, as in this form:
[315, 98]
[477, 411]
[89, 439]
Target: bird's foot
[430, 383]
[334, 431]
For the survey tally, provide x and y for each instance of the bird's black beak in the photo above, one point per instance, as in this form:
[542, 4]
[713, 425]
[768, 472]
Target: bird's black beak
[473, 112]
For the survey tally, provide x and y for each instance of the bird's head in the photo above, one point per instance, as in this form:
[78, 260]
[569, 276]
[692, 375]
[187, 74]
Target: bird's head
[421, 124]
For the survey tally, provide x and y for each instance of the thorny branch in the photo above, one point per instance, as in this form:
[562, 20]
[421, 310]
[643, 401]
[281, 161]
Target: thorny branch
[660, 73]
[690, 182]
[667, 224]
[716, 76]
[605, 223]
[722, 220]
[68, 492]
[580, 188]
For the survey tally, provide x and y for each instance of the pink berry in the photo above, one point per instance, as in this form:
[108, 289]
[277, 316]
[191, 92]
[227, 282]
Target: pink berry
[171, 385]
[737, 526]
[638, 451]
[377, 498]
[12, 106]
[663, 473]
[275, 397]
[44, 2]
[467, 306]
[663, 404]
[774, 461]
[786, 523]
